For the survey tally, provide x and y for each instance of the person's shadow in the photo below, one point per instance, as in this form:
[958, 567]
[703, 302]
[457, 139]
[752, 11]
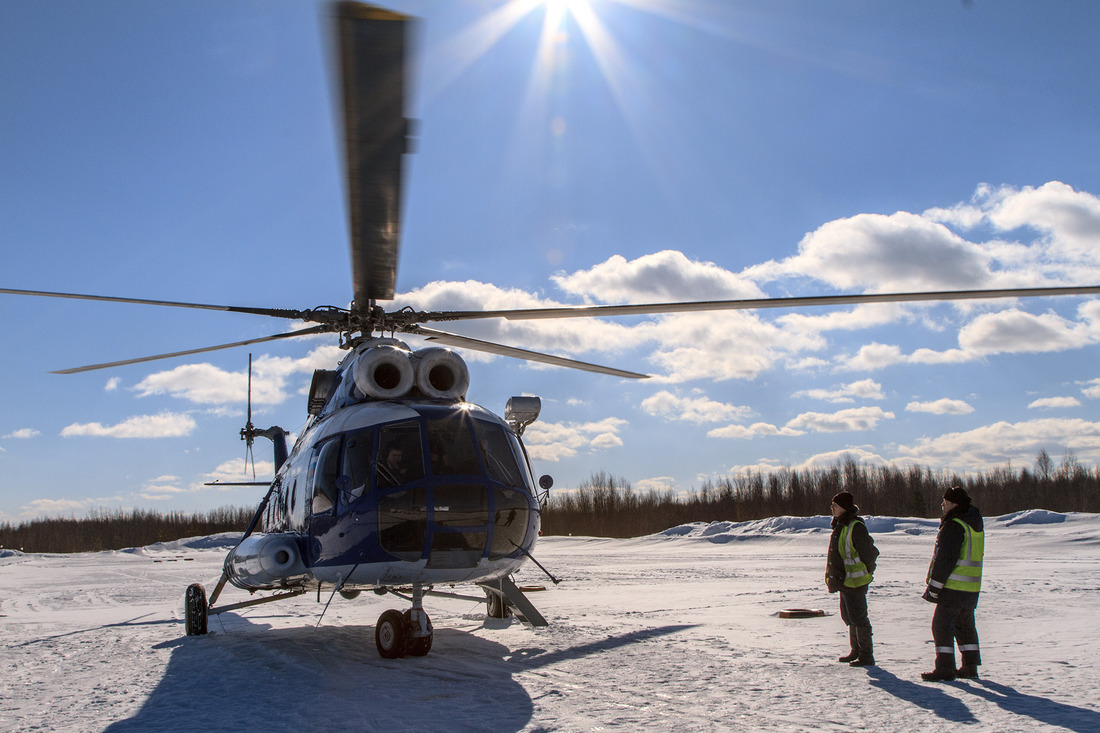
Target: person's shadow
[1041, 709]
[930, 697]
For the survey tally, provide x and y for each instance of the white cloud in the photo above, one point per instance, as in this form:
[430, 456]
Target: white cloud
[943, 406]
[756, 430]
[547, 441]
[112, 384]
[22, 434]
[864, 389]
[993, 446]
[237, 469]
[696, 409]
[855, 418]
[162, 425]
[1054, 403]
[662, 276]
[864, 455]
[1093, 391]
[873, 252]
[210, 385]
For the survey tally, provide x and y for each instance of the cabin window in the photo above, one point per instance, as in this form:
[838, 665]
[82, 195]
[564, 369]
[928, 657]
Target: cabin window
[511, 520]
[499, 459]
[357, 466]
[326, 471]
[400, 457]
[452, 447]
[403, 524]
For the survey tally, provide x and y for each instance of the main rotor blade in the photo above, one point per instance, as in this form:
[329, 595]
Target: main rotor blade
[276, 337]
[276, 312]
[372, 45]
[489, 347]
[591, 311]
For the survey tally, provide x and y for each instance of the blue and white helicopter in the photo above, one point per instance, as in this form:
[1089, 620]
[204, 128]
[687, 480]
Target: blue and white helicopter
[397, 484]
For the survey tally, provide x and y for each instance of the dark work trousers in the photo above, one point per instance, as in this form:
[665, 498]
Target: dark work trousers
[956, 624]
[853, 606]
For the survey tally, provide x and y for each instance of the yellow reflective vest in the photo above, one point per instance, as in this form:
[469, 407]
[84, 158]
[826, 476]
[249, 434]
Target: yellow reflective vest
[967, 575]
[856, 573]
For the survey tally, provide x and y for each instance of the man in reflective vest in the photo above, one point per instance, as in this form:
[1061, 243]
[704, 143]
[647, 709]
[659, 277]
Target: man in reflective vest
[954, 581]
[849, 569]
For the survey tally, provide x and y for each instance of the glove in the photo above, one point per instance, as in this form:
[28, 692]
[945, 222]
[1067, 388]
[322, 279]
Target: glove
[833, 584]
[931, 595]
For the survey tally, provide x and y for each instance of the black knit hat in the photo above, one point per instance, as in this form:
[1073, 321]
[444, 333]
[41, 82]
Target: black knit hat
[844, 500]
[957, 495]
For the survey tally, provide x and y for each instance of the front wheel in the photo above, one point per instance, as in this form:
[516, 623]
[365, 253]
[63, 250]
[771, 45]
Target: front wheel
[195, 610]
[391, 634]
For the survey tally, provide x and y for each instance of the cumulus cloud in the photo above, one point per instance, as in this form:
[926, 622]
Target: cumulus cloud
[161, 425]
[864, 455]
[1093, 390]
[756, 430]
[864, 389]
[878, 253]
[547, 441]
[993, 446]
[1054, 403]
[855, 418]
[943, 406]
[210, 385]
[112, 384]
[697, 408]
[237, 469]
[22, 434]
[662, 276]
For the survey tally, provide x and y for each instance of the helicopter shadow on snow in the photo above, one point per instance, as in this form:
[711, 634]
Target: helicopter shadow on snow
[309, 678]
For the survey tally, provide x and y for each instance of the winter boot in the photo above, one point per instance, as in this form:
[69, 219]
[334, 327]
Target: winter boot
[971, 658]
[945, 668]
[866, 656]
[852, 641]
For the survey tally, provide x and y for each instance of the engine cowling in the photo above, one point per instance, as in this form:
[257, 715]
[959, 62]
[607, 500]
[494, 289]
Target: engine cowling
[441, 373]
[384, 372]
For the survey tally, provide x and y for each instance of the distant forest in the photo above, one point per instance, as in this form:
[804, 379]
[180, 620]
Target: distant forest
[607, 506]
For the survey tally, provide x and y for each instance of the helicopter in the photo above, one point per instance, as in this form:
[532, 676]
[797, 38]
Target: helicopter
[398, 485]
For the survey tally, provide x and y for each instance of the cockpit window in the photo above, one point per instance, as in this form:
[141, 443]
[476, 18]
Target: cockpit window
[400, 458]
[452, 447]
[357, 466]
[499, 459]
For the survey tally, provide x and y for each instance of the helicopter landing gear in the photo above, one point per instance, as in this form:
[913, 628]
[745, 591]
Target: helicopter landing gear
[495, 605]
[195, 610]
[391, 634]
[404, 634]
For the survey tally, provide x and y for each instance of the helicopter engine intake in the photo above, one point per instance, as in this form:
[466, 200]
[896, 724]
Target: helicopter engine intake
[384, 372]
[441, 373]
[264, 561]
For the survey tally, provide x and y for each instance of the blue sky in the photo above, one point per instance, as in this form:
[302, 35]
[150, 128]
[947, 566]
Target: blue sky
[568, 152]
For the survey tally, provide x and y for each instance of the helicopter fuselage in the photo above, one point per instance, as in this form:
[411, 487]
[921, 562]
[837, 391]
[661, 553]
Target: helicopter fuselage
[383, 493]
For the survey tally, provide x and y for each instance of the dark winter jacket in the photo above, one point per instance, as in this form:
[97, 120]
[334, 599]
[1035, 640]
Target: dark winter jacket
[861, 540]
[949, 543]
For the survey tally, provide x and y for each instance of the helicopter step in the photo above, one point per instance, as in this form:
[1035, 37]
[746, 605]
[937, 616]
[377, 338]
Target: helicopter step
[505, 598]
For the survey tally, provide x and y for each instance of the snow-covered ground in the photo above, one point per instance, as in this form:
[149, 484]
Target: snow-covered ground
[677, 630]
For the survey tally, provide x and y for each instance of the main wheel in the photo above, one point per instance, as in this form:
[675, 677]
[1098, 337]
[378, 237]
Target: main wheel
[391, 634]
[418, 646]
[195, 610]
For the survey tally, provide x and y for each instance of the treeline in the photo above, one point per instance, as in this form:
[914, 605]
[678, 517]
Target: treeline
[115, 530]
[607, 506]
